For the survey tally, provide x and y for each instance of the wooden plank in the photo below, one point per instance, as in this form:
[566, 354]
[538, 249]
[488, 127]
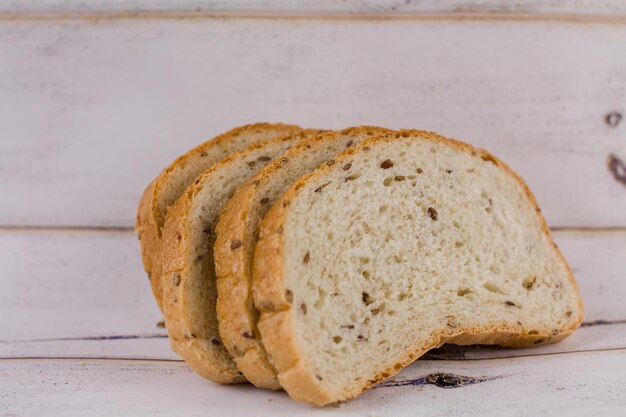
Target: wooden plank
[84, 294]
[119, 346]
[577, 384]
[324, 7]
[93, 109]
[76, 285]
[156, 346]
[598, 261]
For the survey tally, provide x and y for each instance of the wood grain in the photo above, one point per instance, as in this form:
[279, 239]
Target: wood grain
[93, 109]
[575, 8]
[84, 294]
[577, 384]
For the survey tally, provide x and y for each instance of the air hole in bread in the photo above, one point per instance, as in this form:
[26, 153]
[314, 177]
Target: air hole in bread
[495, 269]
[490, 286]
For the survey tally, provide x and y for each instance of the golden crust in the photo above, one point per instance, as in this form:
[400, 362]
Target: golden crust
[149, 240]
[275, 323]
[237, 315]
[150, 216]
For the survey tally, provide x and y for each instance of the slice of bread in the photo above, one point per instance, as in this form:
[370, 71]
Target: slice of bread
[165, 189]
[239, 222]
[421, 241]
[188, 280]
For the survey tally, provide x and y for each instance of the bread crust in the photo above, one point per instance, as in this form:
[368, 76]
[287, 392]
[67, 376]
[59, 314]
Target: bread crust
[208, 357]
[149, 240]
[150, 219]
[276, 321]
[237, 315]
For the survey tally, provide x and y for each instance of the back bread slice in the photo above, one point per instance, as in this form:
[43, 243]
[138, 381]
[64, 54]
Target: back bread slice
[188, 280]
[239, 222]
[422, 241]
[165, 189]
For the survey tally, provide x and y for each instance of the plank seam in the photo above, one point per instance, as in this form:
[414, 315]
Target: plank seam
[86, 358]
[593, 323]
[602, 323]
[89, 338]
[277, 15]
[69, 228]
[65, 228]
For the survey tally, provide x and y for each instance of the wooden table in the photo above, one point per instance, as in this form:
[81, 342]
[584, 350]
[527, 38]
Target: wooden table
[96, 99]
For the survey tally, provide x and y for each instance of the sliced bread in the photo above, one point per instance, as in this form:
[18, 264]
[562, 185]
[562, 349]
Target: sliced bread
[165, 189]
[188, 280]
[421, 241]
[239, 222]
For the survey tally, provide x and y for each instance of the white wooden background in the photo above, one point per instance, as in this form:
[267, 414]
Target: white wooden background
[96, 97]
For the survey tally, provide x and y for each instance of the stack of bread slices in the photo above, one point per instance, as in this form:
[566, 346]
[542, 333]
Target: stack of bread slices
[323, 262]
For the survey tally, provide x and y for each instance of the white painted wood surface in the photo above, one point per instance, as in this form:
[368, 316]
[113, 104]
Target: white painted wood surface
[96, 97]
[93, 109]
[77, 293]
[538, 386]
[572, 8]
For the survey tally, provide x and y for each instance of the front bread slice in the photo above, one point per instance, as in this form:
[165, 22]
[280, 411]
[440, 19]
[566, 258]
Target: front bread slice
[188, 279]
[166, 188]
[420, 241]
[239, 222]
